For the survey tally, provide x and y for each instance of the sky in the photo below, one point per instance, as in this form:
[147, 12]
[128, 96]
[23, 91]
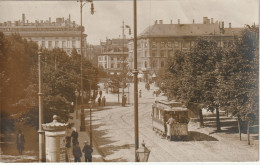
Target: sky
[109, 14]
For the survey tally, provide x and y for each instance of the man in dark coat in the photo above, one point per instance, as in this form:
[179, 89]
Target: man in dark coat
[20, 142]
[74, 136]
[87, 149]
[77, 153]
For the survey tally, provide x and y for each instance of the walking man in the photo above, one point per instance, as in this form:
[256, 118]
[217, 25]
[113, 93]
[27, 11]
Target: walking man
[170, 125]
[87, 149]
[77, 153]
[74, 136]
[20, 142]
[104, 101]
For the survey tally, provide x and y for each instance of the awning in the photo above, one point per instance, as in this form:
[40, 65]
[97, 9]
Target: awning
[112, 73]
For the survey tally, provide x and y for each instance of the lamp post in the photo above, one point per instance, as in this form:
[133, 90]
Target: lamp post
[77, 95]
[41, 131]
[135, 82]
[90, 121]
[82, 124]
[143, 153]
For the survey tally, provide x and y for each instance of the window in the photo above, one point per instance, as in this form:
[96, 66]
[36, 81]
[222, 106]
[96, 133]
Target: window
[162, 44]
[162, 63]
[153, 53]
[154, 44]
[111, 58]
[105, 66]
[105, 58]
[50, 44]
[154, 64]
[56, 44]
[145, 64]
[170, 53]
[176, 44]
[63, 44]
[162, 53]
[118, 65]
[112, 65]
[73, 44]
[43, 44]
[169, 44]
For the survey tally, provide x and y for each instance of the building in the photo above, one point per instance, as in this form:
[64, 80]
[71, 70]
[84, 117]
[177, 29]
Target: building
[159, 41]
[61, 33]
[113, 56]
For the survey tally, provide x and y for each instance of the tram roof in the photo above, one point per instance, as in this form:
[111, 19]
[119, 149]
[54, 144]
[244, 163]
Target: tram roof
[171, 105]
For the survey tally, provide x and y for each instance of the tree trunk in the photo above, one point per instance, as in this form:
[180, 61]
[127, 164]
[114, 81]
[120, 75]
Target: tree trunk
[218, 120]
[248, 133]
[239, 127]
[201, 118]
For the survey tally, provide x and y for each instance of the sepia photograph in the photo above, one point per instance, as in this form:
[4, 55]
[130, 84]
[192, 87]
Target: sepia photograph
[124, 81]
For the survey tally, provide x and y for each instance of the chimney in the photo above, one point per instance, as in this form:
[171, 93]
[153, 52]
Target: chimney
[49, 19]
[171, 21]
[69, 18]
[73, 23]
[222, 25]
[178, 21]
[155, 22]
[193, 21]
[161, 21]
[212, 21]
[205, 20]
[23, 18]
[229, 24]
[27, 21]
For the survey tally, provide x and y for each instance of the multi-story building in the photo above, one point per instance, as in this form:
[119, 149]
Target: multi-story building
[159, 41]
[48, 34]
[113, 56]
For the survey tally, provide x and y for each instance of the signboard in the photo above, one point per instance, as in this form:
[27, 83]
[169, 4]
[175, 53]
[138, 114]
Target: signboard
[62, 149]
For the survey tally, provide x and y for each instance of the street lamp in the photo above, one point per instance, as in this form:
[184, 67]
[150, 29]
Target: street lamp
[41, 131]
[135, 72]
[143, 153]
[77, 95]
[90, 121]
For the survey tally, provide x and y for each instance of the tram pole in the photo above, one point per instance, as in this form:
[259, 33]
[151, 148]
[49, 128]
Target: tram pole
[135, 72]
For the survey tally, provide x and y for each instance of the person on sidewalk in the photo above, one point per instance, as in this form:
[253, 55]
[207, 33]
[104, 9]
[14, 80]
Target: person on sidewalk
[74, 136]
[20, 142]
[68, 144]
[99, 101]
[104, 101]
[87, 149]
[77, 153]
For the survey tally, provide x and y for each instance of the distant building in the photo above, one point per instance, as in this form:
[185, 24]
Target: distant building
[113, 56]
[159, 41]
[48, 34]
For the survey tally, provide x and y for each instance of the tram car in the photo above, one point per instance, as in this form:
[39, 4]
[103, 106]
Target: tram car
[170, 119]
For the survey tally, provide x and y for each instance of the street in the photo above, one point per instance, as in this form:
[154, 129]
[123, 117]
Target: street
[113, 135]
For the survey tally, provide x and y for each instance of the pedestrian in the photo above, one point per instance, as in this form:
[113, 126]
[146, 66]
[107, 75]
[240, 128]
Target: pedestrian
[170, 125]
[68, 144]
[74, 136]
[20, 142]
[87, 149]
[140, 93]
[99, 101]
[100, 93]
[77, 153]
[104, 101]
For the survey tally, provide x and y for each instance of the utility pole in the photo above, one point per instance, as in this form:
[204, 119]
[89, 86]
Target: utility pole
[123, 67]
[135, 83]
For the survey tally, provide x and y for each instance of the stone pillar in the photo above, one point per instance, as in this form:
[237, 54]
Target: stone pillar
[55, 140]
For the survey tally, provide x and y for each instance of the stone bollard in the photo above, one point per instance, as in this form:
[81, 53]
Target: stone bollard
[55, 140]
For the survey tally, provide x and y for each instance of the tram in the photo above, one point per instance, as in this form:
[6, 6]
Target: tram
[163, 111]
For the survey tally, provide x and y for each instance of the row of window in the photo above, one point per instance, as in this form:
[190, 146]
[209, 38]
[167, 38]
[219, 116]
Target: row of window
[56, 44]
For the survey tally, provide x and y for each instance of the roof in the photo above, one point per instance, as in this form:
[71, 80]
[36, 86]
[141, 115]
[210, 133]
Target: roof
[180, 30]
[171, 105]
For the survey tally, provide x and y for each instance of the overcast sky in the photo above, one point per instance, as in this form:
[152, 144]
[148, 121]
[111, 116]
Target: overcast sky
[108, 17]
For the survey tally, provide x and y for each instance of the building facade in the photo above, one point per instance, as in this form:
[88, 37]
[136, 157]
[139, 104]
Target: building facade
[113, 56]
[61, 33]
[159, 41]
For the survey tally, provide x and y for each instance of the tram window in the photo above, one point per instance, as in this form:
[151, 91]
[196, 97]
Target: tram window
[157, 113]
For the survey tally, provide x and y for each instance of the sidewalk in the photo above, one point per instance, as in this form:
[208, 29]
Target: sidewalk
[84, 136]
